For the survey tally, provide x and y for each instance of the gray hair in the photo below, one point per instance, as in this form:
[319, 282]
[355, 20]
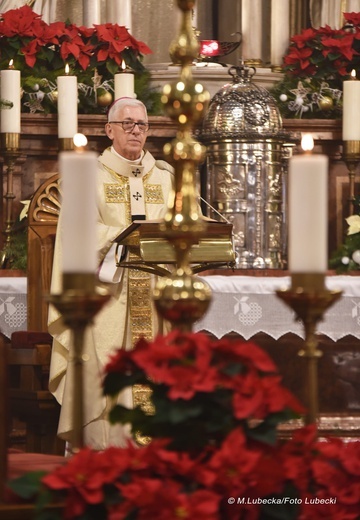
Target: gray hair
[121, 103]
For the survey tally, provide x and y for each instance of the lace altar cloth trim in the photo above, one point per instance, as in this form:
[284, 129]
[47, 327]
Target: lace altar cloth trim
[247, 305]
[13, 305]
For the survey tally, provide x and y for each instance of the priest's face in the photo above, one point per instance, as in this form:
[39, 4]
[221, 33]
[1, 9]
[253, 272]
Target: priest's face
[128, 141]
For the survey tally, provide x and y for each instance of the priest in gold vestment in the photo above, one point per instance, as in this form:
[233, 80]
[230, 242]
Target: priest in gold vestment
[132, 185]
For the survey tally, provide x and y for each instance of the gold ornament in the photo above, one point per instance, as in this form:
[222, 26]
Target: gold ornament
[326, 103]
[104, 99]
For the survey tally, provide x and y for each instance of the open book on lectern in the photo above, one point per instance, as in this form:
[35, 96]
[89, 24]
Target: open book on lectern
[214, 245]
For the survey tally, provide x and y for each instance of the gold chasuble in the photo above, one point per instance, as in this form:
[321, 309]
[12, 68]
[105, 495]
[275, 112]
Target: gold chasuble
[126, 191]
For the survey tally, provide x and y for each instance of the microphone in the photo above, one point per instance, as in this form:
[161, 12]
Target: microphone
[228, 222]
[215, 210]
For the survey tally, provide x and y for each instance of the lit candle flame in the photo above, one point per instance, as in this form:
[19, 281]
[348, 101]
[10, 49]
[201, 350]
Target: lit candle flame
[67, 69]
[307, 142]
[123, 65]
[80, 141]
[353, 74]
[11, 64]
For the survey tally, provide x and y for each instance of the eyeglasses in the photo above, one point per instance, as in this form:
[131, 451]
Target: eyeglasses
[128, 126]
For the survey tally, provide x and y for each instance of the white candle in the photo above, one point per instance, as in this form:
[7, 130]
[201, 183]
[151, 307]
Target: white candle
[91, 12]
[280, 30]
[67, 105]
[124, 83]
[308, 213]
[351, 109]
[10, 90]
[78, 171]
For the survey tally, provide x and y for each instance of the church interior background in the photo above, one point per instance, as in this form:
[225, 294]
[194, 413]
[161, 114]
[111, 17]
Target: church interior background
[244, 303]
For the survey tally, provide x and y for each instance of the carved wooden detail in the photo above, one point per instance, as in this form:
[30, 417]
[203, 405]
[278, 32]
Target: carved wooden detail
[48, 203]
[43, 217]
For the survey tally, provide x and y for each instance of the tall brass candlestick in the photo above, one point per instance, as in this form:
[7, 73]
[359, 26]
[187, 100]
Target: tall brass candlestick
[181, 298]
[66, 144]
[79, 303]
[9, 144]
[351, 155]
[309, 299]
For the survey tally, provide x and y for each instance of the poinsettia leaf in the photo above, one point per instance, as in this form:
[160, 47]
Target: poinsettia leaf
[123, 415]
[232, 369]
[27, 485]
[174, 411]
[280, 510]
[133, 60]
[114, 383]
[266, 431]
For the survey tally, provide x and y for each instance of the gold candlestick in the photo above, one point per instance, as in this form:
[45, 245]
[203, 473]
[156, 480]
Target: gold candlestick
[79, 303]
[181, 298]
[66, 144]
[9, 144]
[309, 299]
[351, 156]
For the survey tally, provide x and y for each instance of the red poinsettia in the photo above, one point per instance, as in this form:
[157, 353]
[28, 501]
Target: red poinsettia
[20, 22]
[113, 40]
[42, 50]
[230, 468]
[315, 65]
[200, 385]
[325, 53]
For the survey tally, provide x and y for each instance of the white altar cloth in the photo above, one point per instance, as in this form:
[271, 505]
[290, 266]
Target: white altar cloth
[248, 304]
[13, 304]
[245, 305]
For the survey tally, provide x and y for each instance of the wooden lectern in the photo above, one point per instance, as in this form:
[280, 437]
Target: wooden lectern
[214, 247]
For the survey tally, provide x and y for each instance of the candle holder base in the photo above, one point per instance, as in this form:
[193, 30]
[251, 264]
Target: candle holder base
[309, 299]
[351, 156]
[78, 304]
[9, 146]
[66, 144]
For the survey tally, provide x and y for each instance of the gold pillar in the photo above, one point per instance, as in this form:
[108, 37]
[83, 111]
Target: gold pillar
[182, 298]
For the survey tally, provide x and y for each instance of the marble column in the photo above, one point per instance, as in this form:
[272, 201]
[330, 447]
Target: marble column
[252, 31]
[352, 6]
[119, 12]
[157, 24]
[91, 12]
[330, 12]
[195, 16]
[279, 31]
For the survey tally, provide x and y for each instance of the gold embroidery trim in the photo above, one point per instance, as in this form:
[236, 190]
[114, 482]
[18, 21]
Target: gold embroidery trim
[154, 194]
[140, 310]
[120, 192]
[116, 193]
[141, 325]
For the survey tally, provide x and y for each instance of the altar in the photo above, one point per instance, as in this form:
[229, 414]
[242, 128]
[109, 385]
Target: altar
[13, 304]
[247, 308]
[242, 305]
[247, 305]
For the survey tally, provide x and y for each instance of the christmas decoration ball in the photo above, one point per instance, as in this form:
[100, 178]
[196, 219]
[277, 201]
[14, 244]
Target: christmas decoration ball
[326, 103]
[104, 99]
[356, 256]
[283, 97]
[345, 260]
[54, 95]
